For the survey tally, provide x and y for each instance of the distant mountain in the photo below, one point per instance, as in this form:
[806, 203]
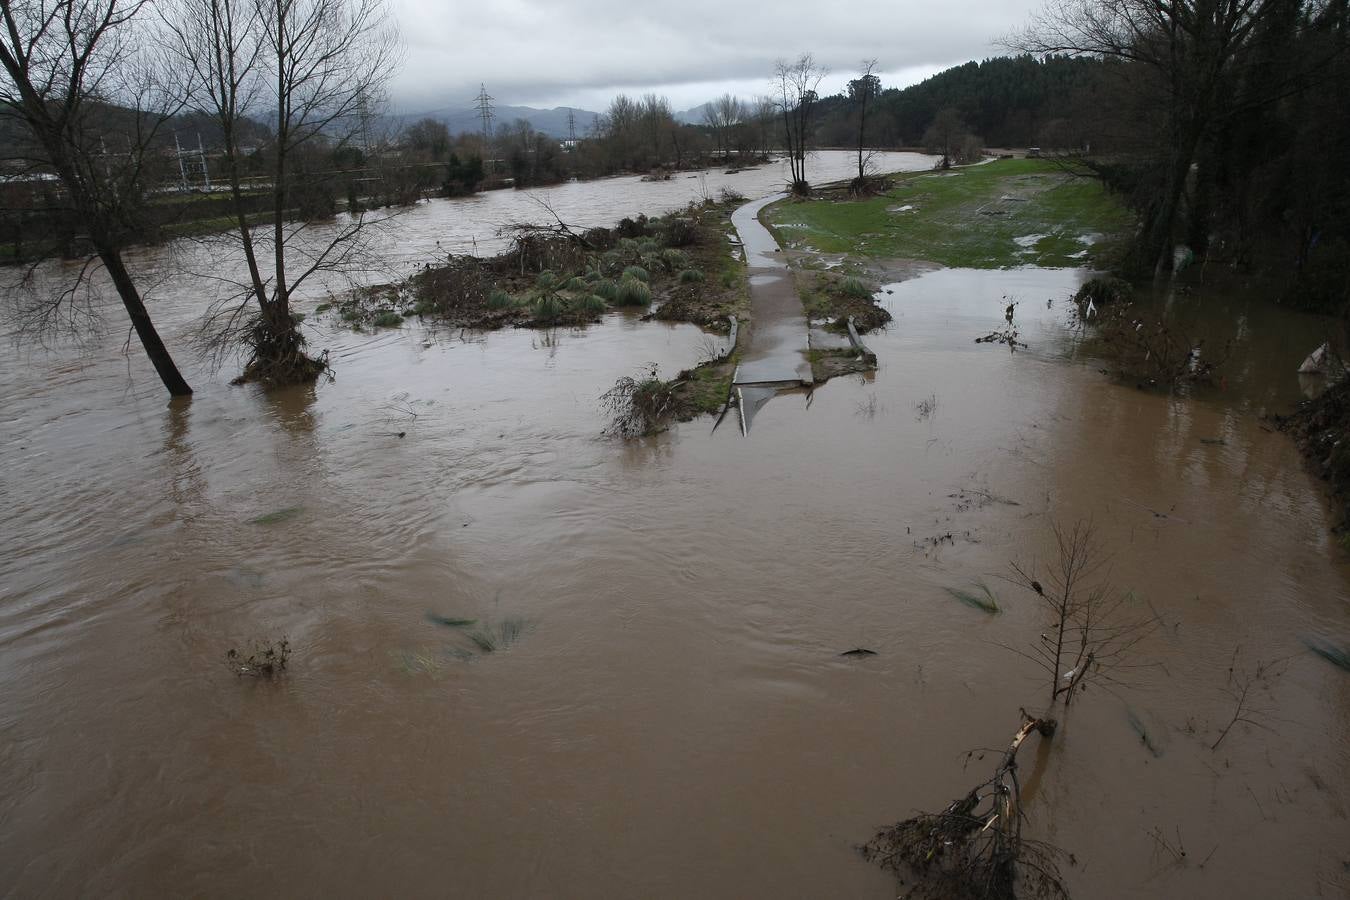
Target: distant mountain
[550, 121]
[693, 116]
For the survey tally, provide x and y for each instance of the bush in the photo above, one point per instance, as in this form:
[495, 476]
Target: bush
[590, 304]
[574, 284]
[546, 281]
[674, 259]
[500, 299]
[679, 233]
[607, 290]
[691, 276]
[637, 272]
[632, 292]
[387, 318]
[653, 262]
[1104, 291]
[548, 308]
[855, 288]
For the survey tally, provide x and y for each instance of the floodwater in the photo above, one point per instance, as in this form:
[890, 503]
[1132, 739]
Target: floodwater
[675, 719]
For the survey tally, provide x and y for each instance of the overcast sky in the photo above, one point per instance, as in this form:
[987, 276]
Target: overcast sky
[580, 53]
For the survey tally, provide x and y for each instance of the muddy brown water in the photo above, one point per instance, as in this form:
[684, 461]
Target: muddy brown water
[675, 720]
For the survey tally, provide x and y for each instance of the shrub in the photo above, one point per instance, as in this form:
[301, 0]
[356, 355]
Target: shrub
[1103, 291]
[674, 259]
[574, 284]
[500, 299]
[679, 233]
[856, 288]
[691, 276]
[632, 292]
[546, 281]
[653, 262]
[590, 304]
[637, 272]
[607, 290]
[548, 308]
[387, 318]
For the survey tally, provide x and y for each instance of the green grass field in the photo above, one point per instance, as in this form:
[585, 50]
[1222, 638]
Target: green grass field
[1010, 212]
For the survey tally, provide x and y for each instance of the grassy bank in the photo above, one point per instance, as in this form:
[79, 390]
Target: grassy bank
[1006, 213]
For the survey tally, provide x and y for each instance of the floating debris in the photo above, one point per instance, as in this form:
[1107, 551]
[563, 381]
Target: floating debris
[857, 652]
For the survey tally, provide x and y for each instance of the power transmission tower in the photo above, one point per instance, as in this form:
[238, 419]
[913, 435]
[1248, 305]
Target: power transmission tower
[485, 115]
[571, 127]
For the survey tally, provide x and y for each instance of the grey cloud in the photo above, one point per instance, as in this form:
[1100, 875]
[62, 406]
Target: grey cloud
[580, 53]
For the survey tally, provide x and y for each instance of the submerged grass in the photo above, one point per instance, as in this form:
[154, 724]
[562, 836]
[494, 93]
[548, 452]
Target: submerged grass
[969, 218]
[494, 636]
[987, 603]
[1337, 655]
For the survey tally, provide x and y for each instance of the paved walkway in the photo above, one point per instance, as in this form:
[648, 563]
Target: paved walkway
[774, 352]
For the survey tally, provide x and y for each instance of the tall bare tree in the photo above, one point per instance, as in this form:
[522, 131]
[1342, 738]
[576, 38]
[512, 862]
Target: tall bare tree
[72, 76]
[862, 90]
[795, 85]
[312, 69]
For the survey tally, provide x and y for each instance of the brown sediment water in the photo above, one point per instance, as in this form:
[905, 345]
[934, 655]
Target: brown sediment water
[675, 719]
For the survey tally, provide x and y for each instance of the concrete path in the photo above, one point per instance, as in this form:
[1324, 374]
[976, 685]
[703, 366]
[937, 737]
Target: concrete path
[774, 351]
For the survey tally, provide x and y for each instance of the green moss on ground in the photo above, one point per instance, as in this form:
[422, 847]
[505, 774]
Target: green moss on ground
[971, 217]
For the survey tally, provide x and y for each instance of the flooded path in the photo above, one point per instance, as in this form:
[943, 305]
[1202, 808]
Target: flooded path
[664, 712]
[775, 352]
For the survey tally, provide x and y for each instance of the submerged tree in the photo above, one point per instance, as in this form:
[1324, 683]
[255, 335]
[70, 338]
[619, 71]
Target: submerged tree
[313, 68]
[73, 78]
[795, 86]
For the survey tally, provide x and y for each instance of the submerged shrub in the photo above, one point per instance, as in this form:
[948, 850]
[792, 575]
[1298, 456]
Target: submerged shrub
[637, 272]
[632, 292]
[266, 659]
[691, 276]
[387, 318]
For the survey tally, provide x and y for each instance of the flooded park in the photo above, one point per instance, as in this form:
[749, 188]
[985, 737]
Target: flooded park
[529, 658]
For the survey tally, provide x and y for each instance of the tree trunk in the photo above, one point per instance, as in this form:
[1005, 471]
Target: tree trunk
[145, 329]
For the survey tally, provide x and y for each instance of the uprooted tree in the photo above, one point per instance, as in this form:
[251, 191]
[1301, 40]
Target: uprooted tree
[313, 69]
[75, 80]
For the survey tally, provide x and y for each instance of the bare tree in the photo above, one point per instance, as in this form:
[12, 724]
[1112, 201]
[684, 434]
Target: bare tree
[1093, 628]
[314, 68]
[862, 90]
[795, 85]
[73, 78]
[946, 136]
